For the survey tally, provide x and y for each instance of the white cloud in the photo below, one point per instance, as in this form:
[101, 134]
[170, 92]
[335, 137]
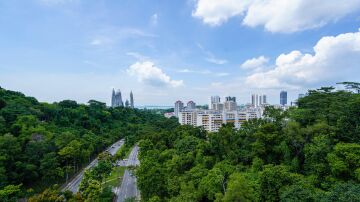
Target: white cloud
[215, 12]
[222, 74]
[276, 15]
[255, 63]
[148, 73]
[137, 55]
[217, 61]
[154, 19]
[206, 72]
[100, 41]
[110, 36]
[185, 71]
[335, 58]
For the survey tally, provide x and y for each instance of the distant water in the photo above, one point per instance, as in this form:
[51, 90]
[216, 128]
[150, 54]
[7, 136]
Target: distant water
[153, 107]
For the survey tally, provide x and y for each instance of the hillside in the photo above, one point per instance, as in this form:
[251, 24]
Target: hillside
[43, 144]
[307, 153]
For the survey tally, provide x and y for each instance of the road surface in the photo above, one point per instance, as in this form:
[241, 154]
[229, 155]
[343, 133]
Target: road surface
[74, 184]
[128, 188]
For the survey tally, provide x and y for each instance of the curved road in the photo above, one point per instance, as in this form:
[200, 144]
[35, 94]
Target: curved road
[73, 185]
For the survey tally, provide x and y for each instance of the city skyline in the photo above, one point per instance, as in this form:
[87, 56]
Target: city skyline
[74, 49]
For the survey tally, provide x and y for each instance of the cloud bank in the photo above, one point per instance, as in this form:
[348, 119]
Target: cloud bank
[255, 63]
[276, 15]
[335, 58]
[148, 73]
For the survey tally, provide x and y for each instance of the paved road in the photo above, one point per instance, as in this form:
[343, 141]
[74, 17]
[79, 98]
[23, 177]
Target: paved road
[128, 188]
[74, 184]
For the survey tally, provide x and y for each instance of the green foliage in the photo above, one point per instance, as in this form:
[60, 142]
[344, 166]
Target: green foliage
[10, 193]
[43, 144]
[344, 160]
[48, 195]
[239, 189]
[306, 153]
[343, 192]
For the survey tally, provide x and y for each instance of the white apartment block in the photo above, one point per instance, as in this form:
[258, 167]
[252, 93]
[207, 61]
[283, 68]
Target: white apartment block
[212, 120]
[188, 117]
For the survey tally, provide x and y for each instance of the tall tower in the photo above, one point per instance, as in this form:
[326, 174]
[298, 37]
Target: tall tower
[255, 100]
[191, 105]
[214, 101]
[131, 100]
[118, 99]
[283, 98]
[178, 107]
[230, 103]
[264, 99]
[113, 98]
[127, 104]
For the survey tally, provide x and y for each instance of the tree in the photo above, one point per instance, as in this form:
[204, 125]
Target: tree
[92, 191]
[50, 167]
[345, 160]
[48, 195]
[271, 180]
[343, 192]
[2, 103]
[351, 86]
[239, 189]
[10, 193]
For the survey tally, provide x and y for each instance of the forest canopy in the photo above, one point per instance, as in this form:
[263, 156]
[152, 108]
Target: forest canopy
[307, 153]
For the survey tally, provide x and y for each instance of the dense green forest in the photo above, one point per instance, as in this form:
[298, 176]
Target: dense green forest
[44, 144]
[308, 153]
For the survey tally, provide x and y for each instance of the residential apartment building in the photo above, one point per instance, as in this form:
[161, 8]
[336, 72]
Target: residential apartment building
[212, 120]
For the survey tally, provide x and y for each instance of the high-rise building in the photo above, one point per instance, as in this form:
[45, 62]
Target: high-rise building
[212, 120]
[218, 107]
[230, 103]
[113, 98]
[178, 107]
[191, 105]
[131, 100]
[116, 99]
[213, 101]
[229, 98]
[258, 100]
[187, 118]
[127, 103]
[264, 101]
[283, 98]
[254, 100]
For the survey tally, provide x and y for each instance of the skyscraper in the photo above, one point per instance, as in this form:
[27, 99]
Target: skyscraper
[116, 99]
[230, 103]
[258, 100]
[178, 107]
[127, 104]
[264, 101]
[191, 105]
[113, 98]
[254, 99]
[283, 98]
[229, 98]
[213, 101]
[131, 100]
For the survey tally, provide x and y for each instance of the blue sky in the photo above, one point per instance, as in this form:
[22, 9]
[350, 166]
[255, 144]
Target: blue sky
[180, 49]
